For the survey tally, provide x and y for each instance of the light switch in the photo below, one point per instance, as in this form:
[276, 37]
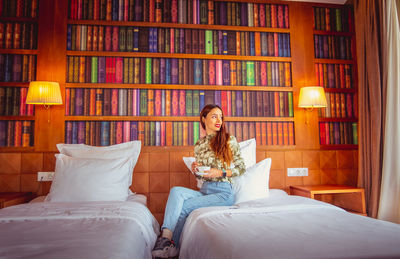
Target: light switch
[297, 171]
[45, 176]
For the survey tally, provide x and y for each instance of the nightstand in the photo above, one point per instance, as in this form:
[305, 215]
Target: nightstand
[8, 199]
[349, 198]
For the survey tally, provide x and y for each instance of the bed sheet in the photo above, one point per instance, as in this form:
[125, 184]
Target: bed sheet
[135, 197]
[283, 226]
[113, 229]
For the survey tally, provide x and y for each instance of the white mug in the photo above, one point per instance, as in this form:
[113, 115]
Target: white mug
[203, 169]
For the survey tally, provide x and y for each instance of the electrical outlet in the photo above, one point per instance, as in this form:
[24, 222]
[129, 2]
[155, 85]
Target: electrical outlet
[297, 171]
[45, 176]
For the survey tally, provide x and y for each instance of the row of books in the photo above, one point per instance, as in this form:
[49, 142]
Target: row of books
[15, 35]
[334, 75]
[333, 47]
[182, 11]
[104, 133]
[12, 102]
[16, 133]
[18, 8]
[17, 68]
[175, 40]
[338, 133]
[124, 70]
[149, 102]
[333, 19]
[340, 105]
[161, 133]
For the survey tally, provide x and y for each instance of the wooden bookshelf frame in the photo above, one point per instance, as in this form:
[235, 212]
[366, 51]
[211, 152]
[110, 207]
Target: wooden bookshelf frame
[182, 87]
[352, 62]
[19, 52]
[19, 84]
[181, 56]
[52, 22]
[171, 118]
[18, 118]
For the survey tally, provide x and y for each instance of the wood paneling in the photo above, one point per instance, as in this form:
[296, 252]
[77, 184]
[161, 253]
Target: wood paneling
[10, 163]
[140, 182]
[10, 182]
[31, 162]
[155, 174]
[159, 182]
[49, 129]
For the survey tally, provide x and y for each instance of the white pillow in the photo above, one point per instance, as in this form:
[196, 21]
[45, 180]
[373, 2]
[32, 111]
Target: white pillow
[254, 183]
[248, 152]
[124, 150]
[127, 149]
[188, 162]
[90, 179]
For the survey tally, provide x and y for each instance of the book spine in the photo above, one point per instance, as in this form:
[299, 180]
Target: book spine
[150, 102]
[148, 71]
[250, 73]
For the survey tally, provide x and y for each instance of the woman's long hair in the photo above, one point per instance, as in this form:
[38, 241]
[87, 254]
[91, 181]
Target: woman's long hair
[219, 143]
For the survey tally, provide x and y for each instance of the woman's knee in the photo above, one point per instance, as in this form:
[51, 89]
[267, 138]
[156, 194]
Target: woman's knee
[176, 191]
[227, 198]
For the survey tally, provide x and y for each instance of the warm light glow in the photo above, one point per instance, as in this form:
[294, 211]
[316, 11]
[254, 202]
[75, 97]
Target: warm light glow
[312, 97]
[43, 92]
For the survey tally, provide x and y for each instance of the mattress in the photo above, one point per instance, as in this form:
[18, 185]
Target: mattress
[283, 226]
[112, 229]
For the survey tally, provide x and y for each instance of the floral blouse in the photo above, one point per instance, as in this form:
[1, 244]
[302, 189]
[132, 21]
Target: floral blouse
[205, 156]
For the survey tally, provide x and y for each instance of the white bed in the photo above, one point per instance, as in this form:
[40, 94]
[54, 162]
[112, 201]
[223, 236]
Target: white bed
[89, 212]
[102, 229]
[283, 226]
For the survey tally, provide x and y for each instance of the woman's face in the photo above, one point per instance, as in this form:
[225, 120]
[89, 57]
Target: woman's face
[213, 121]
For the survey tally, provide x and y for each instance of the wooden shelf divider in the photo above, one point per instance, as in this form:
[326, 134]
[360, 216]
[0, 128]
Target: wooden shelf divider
[168, 118]
[186, 87]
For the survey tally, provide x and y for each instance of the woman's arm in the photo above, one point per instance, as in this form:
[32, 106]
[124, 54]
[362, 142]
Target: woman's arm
[238, 162]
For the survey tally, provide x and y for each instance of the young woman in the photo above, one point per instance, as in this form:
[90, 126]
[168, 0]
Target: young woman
[217, 150]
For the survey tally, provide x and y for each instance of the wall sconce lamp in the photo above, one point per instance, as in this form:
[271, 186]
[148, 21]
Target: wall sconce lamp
[45, 93]
[312, 97]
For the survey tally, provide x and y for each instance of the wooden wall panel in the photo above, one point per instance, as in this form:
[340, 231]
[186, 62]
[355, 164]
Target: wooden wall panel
[301, 40]
[49, 124]
[158, 170]
[10, 182]
[31, 162]
[10, 163]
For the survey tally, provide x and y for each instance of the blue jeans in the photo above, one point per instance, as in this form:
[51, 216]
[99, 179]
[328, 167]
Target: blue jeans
[182, 201]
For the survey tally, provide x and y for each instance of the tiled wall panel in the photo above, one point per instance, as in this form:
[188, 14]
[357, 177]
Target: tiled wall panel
[157, 172]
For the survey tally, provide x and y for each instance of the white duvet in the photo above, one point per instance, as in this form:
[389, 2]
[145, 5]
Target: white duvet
[283, 226]
[77, 230]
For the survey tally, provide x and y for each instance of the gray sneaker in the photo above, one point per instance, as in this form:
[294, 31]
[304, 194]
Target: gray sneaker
[164, 248]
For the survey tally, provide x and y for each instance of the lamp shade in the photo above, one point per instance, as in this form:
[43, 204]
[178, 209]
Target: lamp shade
[43, 92]
[312, 97]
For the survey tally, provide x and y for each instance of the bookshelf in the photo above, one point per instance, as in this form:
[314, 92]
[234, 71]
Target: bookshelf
[161, 167]
[145, 70]
[335, 70]
[18, 56]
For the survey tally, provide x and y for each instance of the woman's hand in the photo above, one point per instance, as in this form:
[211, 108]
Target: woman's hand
[213, 173]
[195, 166]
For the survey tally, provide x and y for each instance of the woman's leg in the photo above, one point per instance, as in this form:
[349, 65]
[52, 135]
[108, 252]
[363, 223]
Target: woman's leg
[176, 199]
[215, 194]
[164, 248]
